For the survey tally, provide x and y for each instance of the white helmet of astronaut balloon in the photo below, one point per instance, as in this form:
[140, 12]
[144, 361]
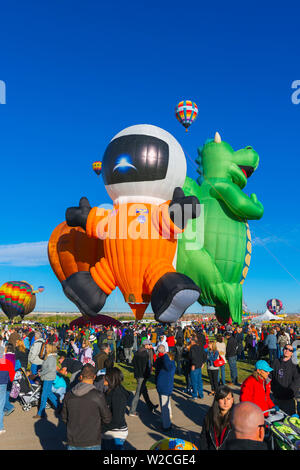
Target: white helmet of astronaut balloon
[143, 163]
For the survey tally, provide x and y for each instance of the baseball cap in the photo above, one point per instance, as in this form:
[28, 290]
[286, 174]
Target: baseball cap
[146, 341]
[263, 365]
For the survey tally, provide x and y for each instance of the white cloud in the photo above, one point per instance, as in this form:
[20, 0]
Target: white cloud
[24, 254]
[267, 240]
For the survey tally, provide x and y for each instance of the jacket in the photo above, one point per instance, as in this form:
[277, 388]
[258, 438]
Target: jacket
[7, 371]
[285, 379]
[245, 444]
[231, 347]
[100, 360]
[211, 358]
[164, 375]
[257, 391]
[208, 438]
[127, 341]
[141, 364]
[116, 400]
[84, 411]
[34, 351]
[271, 341]
[48, 370]
[197, 356]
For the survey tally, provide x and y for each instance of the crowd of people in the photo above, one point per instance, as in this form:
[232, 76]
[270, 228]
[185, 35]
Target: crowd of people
[78, 371]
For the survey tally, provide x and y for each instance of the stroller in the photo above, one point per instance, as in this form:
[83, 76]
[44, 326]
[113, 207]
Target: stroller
[29, 394]
[282, 431]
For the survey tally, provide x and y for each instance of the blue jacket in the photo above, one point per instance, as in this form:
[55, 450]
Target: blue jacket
[271, 341]
[164, 375]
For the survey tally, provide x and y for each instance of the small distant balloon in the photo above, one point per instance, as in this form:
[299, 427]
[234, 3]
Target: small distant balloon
[274, 306]
[97, 167]
[186, 112]
[41, 288]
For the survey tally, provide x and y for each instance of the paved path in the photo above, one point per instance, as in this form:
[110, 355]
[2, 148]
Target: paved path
[25, 433]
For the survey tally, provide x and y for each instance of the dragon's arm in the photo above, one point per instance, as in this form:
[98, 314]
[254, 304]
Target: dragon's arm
[238, 203]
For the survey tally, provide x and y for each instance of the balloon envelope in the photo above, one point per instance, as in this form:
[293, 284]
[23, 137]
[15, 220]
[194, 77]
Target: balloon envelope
[17, 298]
[274, 305]
[97, 320]
[186, 112]
[97, 167]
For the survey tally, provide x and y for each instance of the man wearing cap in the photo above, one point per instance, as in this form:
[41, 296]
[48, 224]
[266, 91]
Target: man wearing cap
[142, 371]
[286, 381]
[257, 387]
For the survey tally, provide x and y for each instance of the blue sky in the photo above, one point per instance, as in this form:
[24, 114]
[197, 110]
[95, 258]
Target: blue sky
[78, 72]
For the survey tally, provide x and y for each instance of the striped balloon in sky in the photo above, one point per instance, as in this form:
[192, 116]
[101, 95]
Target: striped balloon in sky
[186, 112]
[17, 298]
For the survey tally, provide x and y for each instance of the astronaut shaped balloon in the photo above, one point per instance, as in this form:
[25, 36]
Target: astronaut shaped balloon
[143, 169]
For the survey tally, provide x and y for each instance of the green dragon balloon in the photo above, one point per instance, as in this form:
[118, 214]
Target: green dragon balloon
[215, 249]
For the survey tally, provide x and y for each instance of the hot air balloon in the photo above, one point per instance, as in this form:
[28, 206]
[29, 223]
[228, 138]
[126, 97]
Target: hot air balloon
[17, 298]
[186, 112]
[131, 246]
[274, 306]
[41, 289]
[97, 167]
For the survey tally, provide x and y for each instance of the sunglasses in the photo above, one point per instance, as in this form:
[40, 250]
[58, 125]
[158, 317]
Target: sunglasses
[288, 349]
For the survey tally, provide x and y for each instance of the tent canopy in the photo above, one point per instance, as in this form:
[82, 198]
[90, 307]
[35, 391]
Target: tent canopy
[103, 320]
[267, 316]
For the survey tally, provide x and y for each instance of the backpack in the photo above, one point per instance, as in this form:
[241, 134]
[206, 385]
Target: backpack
[42, 352]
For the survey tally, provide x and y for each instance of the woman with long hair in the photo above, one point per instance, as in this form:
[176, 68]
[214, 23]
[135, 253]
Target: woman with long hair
[115, 433]
[21, 355]
[216, 429]
[48, 375]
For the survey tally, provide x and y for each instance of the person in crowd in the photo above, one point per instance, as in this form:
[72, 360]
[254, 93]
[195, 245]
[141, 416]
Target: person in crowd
[163, 340]
[217, 429]
[84, 353]
[212, 370]
[85, 411]
[47, 375]
[127, 343]
[251, 342]
[257, 387]
[221, 348]
[249, 428]
[104, 354]
[35, 349]
[142, 371]
[197, 358]
[21, 355]
[10, 357]
[239, 336]
[59, 387]
[14, 337]
[164, 379]
[7, 374]
[67, 365]
[271, 343]
[286, 381]
[114, 434]
[170, 338]
[231, 357]
[282, 340]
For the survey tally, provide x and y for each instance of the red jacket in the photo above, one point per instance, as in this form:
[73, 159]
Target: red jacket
[7, 371]
[257, 391]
